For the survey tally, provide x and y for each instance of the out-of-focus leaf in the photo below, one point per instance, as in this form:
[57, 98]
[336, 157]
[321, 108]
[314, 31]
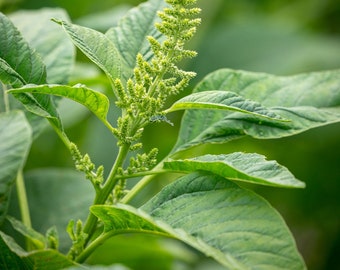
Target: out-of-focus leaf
[15, 142]
[130, 36]
[65, 195]
[106, 19]
[48, 40]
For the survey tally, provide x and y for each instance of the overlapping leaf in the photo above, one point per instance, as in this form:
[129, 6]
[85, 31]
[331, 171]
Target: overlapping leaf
[15, 134]
[48, 40]
[21, 65]
[130, 36]
[307, 100]
[234, 226]
[97, 47]
[17, 55]
[253, 168]
[95, 101]
[14, 257]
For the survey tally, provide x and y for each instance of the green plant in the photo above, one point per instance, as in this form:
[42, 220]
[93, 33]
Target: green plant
[204, 207]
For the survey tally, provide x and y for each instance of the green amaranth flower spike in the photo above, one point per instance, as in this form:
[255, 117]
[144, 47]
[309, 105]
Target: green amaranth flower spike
[143, 96]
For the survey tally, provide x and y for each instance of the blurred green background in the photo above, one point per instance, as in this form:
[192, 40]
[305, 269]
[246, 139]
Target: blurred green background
[281, 37]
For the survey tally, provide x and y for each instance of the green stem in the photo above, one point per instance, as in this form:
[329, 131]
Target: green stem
[6, 100]
[103, 194]
[141, 184]
[23, 205]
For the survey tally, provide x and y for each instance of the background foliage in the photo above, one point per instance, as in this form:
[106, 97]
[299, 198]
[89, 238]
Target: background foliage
[277, 37]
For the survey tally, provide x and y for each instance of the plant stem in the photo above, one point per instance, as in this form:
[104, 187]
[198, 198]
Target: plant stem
[103, 194]
[141, 184]
[6, 101]
[23, 204]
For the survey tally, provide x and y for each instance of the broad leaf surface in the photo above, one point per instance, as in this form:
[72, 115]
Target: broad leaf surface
[18, 56]
[237, 228]
[97, 47]
[252, 168]
[15, 142]
[308, 100]
[217, 100]
[95, 101]
[14, 257]
[48, 40]
[130, 36]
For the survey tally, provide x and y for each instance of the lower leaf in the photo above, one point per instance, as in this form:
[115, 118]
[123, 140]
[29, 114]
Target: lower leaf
[236, 227]
[14, 257]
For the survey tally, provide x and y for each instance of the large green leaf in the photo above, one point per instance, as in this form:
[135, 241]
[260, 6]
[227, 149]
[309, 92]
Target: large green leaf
[15, 141]
[237, 228]
[14, 257]
[130, 36]
[217, 100]
[233, 225]
[97, 47]
[18, 56]
[307, 100]
[48, 40]
[95, 101]
[253, 168]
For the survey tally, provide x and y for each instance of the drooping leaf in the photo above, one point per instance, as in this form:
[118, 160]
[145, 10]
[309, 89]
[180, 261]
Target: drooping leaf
[97, 47]
[253, 168]
[130, 36]
[48, 40]
[15, 141]
[218, 100]
[95, 101]
[308, 100]
[14, 257]
[234, 226]
[18, 56]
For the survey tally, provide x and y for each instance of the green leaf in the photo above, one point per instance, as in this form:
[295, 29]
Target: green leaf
[15, 142]
[97, 47]
[218, 100]
[234, 226]
[252, 168]
[8, 75]
[308, 100]
[14, 257]
[130, 36]
[95, 101]
[36, 238]
[19, 57]
[46, 38]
